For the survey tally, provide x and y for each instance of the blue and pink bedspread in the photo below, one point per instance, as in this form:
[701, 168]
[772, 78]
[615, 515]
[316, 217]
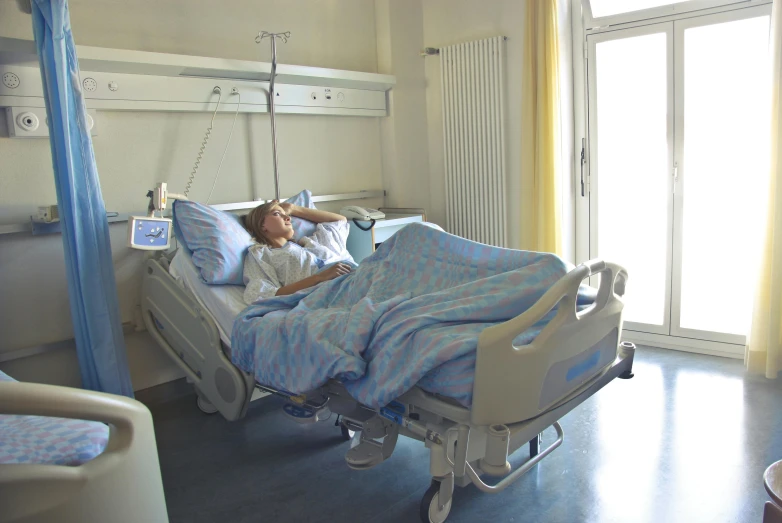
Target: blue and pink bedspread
[410, 314]
[50, 441]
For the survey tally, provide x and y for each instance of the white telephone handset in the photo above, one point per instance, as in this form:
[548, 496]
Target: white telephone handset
[360, 213]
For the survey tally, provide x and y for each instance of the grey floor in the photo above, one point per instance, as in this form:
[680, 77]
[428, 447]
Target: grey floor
[686, 440]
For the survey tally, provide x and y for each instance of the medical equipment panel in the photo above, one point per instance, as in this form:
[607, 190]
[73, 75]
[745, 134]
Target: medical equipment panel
[31, 122]
[154, 92]
[149, 233]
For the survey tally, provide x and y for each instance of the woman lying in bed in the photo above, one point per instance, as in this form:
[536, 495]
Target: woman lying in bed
[276, 266]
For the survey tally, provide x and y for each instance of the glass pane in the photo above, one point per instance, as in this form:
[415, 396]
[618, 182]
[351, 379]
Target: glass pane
[725, 157]
[632, 170]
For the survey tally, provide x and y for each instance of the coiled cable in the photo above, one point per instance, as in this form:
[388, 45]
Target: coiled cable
[204, 142]
[236, 113]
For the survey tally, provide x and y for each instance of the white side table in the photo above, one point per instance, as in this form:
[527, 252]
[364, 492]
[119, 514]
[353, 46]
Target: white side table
[362, 243]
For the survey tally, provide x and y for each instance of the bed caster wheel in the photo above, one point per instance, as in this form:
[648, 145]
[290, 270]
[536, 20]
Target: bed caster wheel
[347, 434]
[431, 512]
[205, 407]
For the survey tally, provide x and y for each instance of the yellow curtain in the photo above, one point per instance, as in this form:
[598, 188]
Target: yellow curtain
[541, 228]
[764, 342]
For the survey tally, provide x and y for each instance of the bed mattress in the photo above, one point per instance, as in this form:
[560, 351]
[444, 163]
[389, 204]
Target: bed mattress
[222, 302]
[49, 441]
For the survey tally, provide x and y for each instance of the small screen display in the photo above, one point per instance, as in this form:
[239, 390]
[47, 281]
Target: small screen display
[151, 233]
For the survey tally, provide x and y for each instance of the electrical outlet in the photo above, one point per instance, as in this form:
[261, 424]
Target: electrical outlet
[30, 122]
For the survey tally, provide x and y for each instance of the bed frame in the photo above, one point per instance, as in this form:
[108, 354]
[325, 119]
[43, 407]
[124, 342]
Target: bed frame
[189, 335]
[518, 392]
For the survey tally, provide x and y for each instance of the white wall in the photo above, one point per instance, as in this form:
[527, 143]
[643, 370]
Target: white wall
[136, 150]
[338, 34]
[400, 37]
[448, 22]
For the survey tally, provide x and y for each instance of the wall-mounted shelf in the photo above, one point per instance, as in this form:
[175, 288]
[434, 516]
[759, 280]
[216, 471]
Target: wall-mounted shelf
[14, 51]
[37, 228]
[120, 79]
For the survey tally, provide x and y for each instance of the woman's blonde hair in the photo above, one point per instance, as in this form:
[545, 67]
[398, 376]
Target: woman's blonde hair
[253, 221]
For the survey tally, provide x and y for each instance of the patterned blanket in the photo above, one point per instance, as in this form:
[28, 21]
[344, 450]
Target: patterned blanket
[410, 314]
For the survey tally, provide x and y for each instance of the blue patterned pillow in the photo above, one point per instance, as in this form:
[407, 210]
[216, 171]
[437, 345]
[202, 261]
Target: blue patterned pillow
[216, 239]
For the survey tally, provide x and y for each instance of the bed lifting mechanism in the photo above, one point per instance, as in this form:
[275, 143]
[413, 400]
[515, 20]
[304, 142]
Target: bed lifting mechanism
[379, 434]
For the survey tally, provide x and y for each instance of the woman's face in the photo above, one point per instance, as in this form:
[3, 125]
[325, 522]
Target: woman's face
[277, 224]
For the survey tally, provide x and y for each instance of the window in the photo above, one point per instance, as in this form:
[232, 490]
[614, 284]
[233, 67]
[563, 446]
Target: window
[678, 144]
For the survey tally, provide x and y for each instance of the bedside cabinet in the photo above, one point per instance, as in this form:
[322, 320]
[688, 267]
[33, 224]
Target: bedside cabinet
[362, 243]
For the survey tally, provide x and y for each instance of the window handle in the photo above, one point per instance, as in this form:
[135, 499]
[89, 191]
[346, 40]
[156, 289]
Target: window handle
[583, 161]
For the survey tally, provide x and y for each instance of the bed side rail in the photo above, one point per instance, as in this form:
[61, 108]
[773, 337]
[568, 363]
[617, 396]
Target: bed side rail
[122, 484]
[190, 337]
[513, 384]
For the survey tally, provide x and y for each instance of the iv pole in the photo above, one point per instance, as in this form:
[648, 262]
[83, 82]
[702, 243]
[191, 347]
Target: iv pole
[273, 37]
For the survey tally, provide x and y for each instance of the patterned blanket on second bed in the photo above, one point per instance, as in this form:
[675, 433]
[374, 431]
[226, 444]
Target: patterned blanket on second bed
[410, 314]
[49, 441]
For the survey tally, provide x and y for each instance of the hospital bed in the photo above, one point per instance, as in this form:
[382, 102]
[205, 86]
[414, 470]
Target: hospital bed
[518, 392]
[56, 466]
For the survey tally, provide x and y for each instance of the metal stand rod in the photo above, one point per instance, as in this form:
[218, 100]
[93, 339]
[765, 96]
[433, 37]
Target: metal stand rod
[516, 474]
[274, 122]
[273, 37]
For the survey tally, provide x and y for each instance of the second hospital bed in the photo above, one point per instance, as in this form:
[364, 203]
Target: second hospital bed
[518, 392]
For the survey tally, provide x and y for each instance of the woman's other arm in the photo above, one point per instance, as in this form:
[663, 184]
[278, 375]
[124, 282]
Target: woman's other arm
[338, 269]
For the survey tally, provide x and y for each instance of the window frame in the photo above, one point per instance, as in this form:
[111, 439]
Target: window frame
[688, 6]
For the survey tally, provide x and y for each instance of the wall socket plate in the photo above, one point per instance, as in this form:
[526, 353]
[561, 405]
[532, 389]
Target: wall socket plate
[30, 122]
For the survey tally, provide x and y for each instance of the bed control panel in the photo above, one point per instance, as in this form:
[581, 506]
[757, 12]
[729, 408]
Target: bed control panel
[149, 233]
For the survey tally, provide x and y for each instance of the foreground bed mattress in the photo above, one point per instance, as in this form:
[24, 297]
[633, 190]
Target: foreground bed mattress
[51, 441]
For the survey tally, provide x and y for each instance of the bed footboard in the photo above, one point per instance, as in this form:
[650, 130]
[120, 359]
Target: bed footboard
[186, 333]
[513, 384]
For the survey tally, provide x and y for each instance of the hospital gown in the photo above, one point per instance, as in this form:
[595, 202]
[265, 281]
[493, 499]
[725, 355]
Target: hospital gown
[267, 269]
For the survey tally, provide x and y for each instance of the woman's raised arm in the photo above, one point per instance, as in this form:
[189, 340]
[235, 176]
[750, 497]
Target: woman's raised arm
[312, 215]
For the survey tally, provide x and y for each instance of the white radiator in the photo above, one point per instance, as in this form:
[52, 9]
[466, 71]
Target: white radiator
[474, 130]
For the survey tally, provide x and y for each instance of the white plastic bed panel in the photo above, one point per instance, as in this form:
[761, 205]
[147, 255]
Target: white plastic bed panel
[189, 336]
[513, 384]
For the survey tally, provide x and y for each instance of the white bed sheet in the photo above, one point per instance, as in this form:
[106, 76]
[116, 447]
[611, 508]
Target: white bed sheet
[222, 302]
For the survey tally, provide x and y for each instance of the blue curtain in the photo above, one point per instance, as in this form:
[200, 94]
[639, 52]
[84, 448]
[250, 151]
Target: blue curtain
[92, 287]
